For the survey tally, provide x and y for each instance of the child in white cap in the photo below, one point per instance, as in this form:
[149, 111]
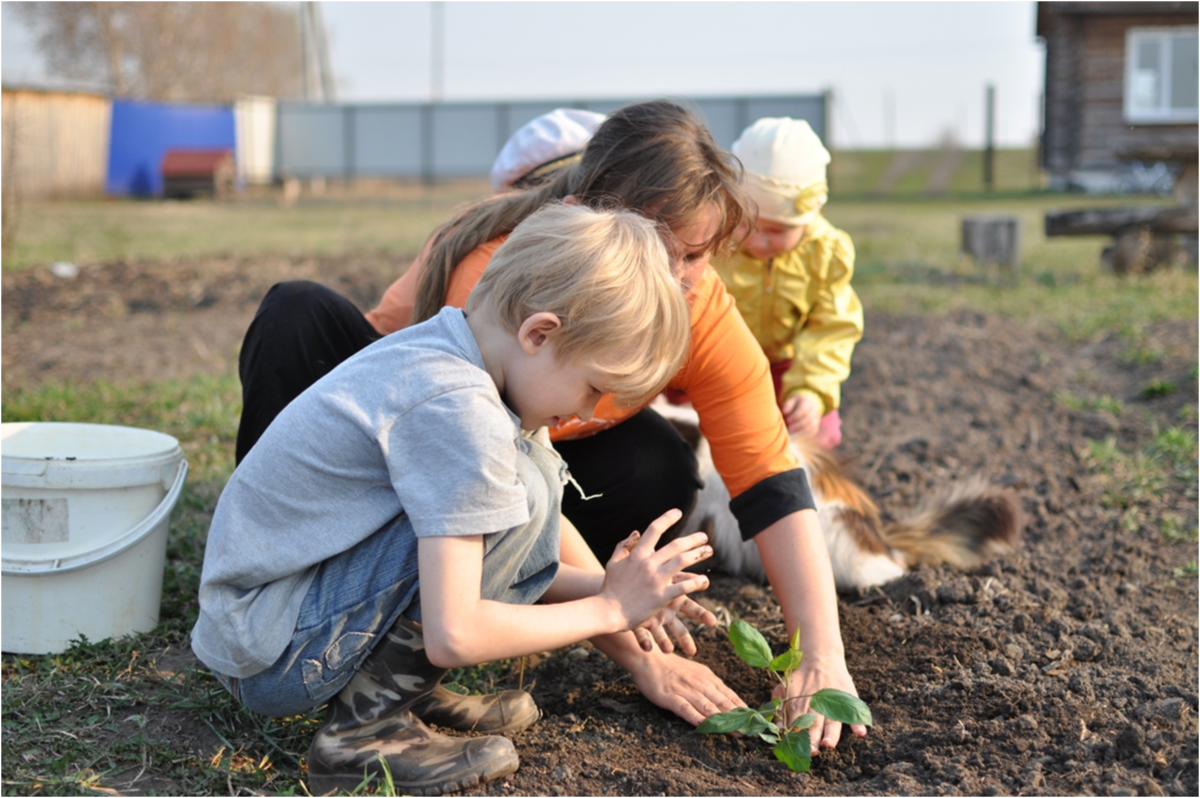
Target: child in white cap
[542, 146]
[791, 276]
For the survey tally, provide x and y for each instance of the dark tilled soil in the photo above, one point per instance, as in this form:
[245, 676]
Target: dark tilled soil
[1070, 668]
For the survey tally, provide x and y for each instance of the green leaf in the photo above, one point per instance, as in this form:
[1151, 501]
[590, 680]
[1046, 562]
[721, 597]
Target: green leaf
[749, 644]
[787, 661]
[758, 726]
[794, 645]
[735, 720]
[795, 751]
[769, 709]
[804, 721]
[841, 706]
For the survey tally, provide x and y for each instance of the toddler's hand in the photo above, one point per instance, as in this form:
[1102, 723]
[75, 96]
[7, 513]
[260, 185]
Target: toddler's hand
[642, 581]
[802, 414]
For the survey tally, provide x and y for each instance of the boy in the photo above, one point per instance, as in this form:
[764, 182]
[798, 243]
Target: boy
[396, 519]
[791, 277]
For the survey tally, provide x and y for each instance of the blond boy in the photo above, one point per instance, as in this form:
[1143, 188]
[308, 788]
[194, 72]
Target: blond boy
[401, 517]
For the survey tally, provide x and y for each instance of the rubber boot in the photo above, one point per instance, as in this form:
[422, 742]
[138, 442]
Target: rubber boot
[372, 719]
[507, 712]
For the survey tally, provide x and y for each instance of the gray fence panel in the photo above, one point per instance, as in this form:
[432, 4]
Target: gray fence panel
[387, 141]
[443, 140]
[311, 140]
[464, 139]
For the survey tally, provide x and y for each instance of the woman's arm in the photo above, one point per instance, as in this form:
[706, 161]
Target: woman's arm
[797, 564]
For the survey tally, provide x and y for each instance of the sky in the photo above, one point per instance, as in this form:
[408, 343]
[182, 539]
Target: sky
[902, 74]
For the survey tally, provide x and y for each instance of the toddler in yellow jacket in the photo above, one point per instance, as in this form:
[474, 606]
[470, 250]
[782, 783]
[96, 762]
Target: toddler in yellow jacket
[791, 277]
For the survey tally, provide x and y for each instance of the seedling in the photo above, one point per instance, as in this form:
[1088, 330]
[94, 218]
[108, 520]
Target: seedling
[792, 745]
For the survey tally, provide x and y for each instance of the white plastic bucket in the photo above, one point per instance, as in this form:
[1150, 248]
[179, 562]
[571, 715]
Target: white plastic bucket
[85, 515]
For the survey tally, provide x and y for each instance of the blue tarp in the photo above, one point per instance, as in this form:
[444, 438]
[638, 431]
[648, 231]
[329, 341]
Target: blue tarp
[143, 132]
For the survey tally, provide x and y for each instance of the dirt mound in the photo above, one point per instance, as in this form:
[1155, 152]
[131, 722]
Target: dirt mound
[1070, 668]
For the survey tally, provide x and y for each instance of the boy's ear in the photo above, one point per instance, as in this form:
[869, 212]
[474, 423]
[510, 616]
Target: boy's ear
[536, 330]
[571, 199]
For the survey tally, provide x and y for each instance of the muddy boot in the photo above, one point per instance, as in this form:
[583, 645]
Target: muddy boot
[502, 713]
[371, 719]
[508, 712]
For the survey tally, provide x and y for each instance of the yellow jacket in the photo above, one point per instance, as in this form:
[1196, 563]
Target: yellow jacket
[800, 307]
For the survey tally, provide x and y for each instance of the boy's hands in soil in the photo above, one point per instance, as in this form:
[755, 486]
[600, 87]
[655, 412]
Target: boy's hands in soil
[666, 624]
[641, 581]
[812, 675]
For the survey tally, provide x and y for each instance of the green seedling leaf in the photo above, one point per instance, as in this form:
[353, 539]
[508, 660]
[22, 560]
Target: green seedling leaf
[795, 751]
[750, 645]
[758, 726]
[804, 721]
[794, 645]
[841, 706]
[769, 709]
[787, 661]
[735, 720]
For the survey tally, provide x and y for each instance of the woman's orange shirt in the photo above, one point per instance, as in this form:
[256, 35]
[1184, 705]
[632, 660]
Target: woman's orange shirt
[726, 375]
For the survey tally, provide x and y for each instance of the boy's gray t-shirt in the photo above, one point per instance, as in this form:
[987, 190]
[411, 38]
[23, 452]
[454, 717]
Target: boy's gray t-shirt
[411, 424]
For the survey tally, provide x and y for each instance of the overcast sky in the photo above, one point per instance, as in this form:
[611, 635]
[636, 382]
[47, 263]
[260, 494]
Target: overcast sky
[902, 73]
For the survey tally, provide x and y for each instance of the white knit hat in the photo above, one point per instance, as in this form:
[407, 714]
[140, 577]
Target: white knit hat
[785, 169]
[547, 141]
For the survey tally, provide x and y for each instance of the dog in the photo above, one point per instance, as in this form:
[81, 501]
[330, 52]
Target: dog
[960, 527]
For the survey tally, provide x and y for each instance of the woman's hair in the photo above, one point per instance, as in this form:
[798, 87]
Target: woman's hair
[656, 158]
[606, 275]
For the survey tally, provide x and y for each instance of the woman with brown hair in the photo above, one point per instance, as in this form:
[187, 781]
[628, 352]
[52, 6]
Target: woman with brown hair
[630, 464]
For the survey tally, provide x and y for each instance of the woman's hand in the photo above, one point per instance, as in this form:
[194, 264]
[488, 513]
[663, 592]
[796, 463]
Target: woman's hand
[641, 581]
[815, 674]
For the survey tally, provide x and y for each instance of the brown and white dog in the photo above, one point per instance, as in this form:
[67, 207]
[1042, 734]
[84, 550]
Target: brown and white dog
[959, 527]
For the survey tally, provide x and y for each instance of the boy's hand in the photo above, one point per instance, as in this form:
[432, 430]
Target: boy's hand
[802, 414]
[641, 581]
[666, 624]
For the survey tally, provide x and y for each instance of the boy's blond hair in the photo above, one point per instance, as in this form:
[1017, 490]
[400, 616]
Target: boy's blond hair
[606, 275]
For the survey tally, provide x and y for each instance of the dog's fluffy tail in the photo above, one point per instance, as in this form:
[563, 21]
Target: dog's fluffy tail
[960, 527]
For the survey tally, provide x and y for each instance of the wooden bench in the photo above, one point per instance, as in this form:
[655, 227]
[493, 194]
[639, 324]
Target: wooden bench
[1144, 236]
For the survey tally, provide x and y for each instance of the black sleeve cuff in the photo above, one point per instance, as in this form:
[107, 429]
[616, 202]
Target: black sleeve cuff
[770, 500]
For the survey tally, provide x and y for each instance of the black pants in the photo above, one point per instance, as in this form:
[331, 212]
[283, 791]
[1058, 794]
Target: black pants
[641, 467]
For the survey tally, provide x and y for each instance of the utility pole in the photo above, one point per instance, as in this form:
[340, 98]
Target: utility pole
[989, 149]
[314, 50]
[437, 48]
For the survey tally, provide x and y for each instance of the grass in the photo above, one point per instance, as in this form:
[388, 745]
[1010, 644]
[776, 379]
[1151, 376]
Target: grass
[1132, 481]
[102, 231]
[89, 720]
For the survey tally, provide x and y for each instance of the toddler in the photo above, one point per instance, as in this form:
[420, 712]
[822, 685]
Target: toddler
[791, 276]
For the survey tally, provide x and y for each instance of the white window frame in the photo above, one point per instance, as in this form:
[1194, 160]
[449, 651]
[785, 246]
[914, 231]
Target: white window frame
[1163, 115]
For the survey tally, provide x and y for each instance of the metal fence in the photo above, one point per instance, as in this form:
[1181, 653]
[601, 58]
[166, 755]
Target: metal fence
[433, 141]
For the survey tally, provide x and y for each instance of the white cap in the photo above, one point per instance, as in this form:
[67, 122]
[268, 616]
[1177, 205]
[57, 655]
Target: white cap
[544, 141]
[785, 169]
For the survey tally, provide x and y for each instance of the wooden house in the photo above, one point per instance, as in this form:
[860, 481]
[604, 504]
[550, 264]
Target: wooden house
[1121, 86]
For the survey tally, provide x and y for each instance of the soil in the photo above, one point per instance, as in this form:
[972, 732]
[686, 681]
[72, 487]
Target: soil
[1068, 668]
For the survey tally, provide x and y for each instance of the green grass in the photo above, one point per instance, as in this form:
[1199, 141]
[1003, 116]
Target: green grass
[1131, 482]
[104, 231]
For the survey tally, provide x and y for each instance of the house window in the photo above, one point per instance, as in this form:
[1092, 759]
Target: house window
[1161, 75]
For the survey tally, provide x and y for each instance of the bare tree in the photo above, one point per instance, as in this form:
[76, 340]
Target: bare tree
[181, 52]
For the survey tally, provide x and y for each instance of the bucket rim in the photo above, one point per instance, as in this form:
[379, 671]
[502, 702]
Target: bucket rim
[167, 445]
[25, 566]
